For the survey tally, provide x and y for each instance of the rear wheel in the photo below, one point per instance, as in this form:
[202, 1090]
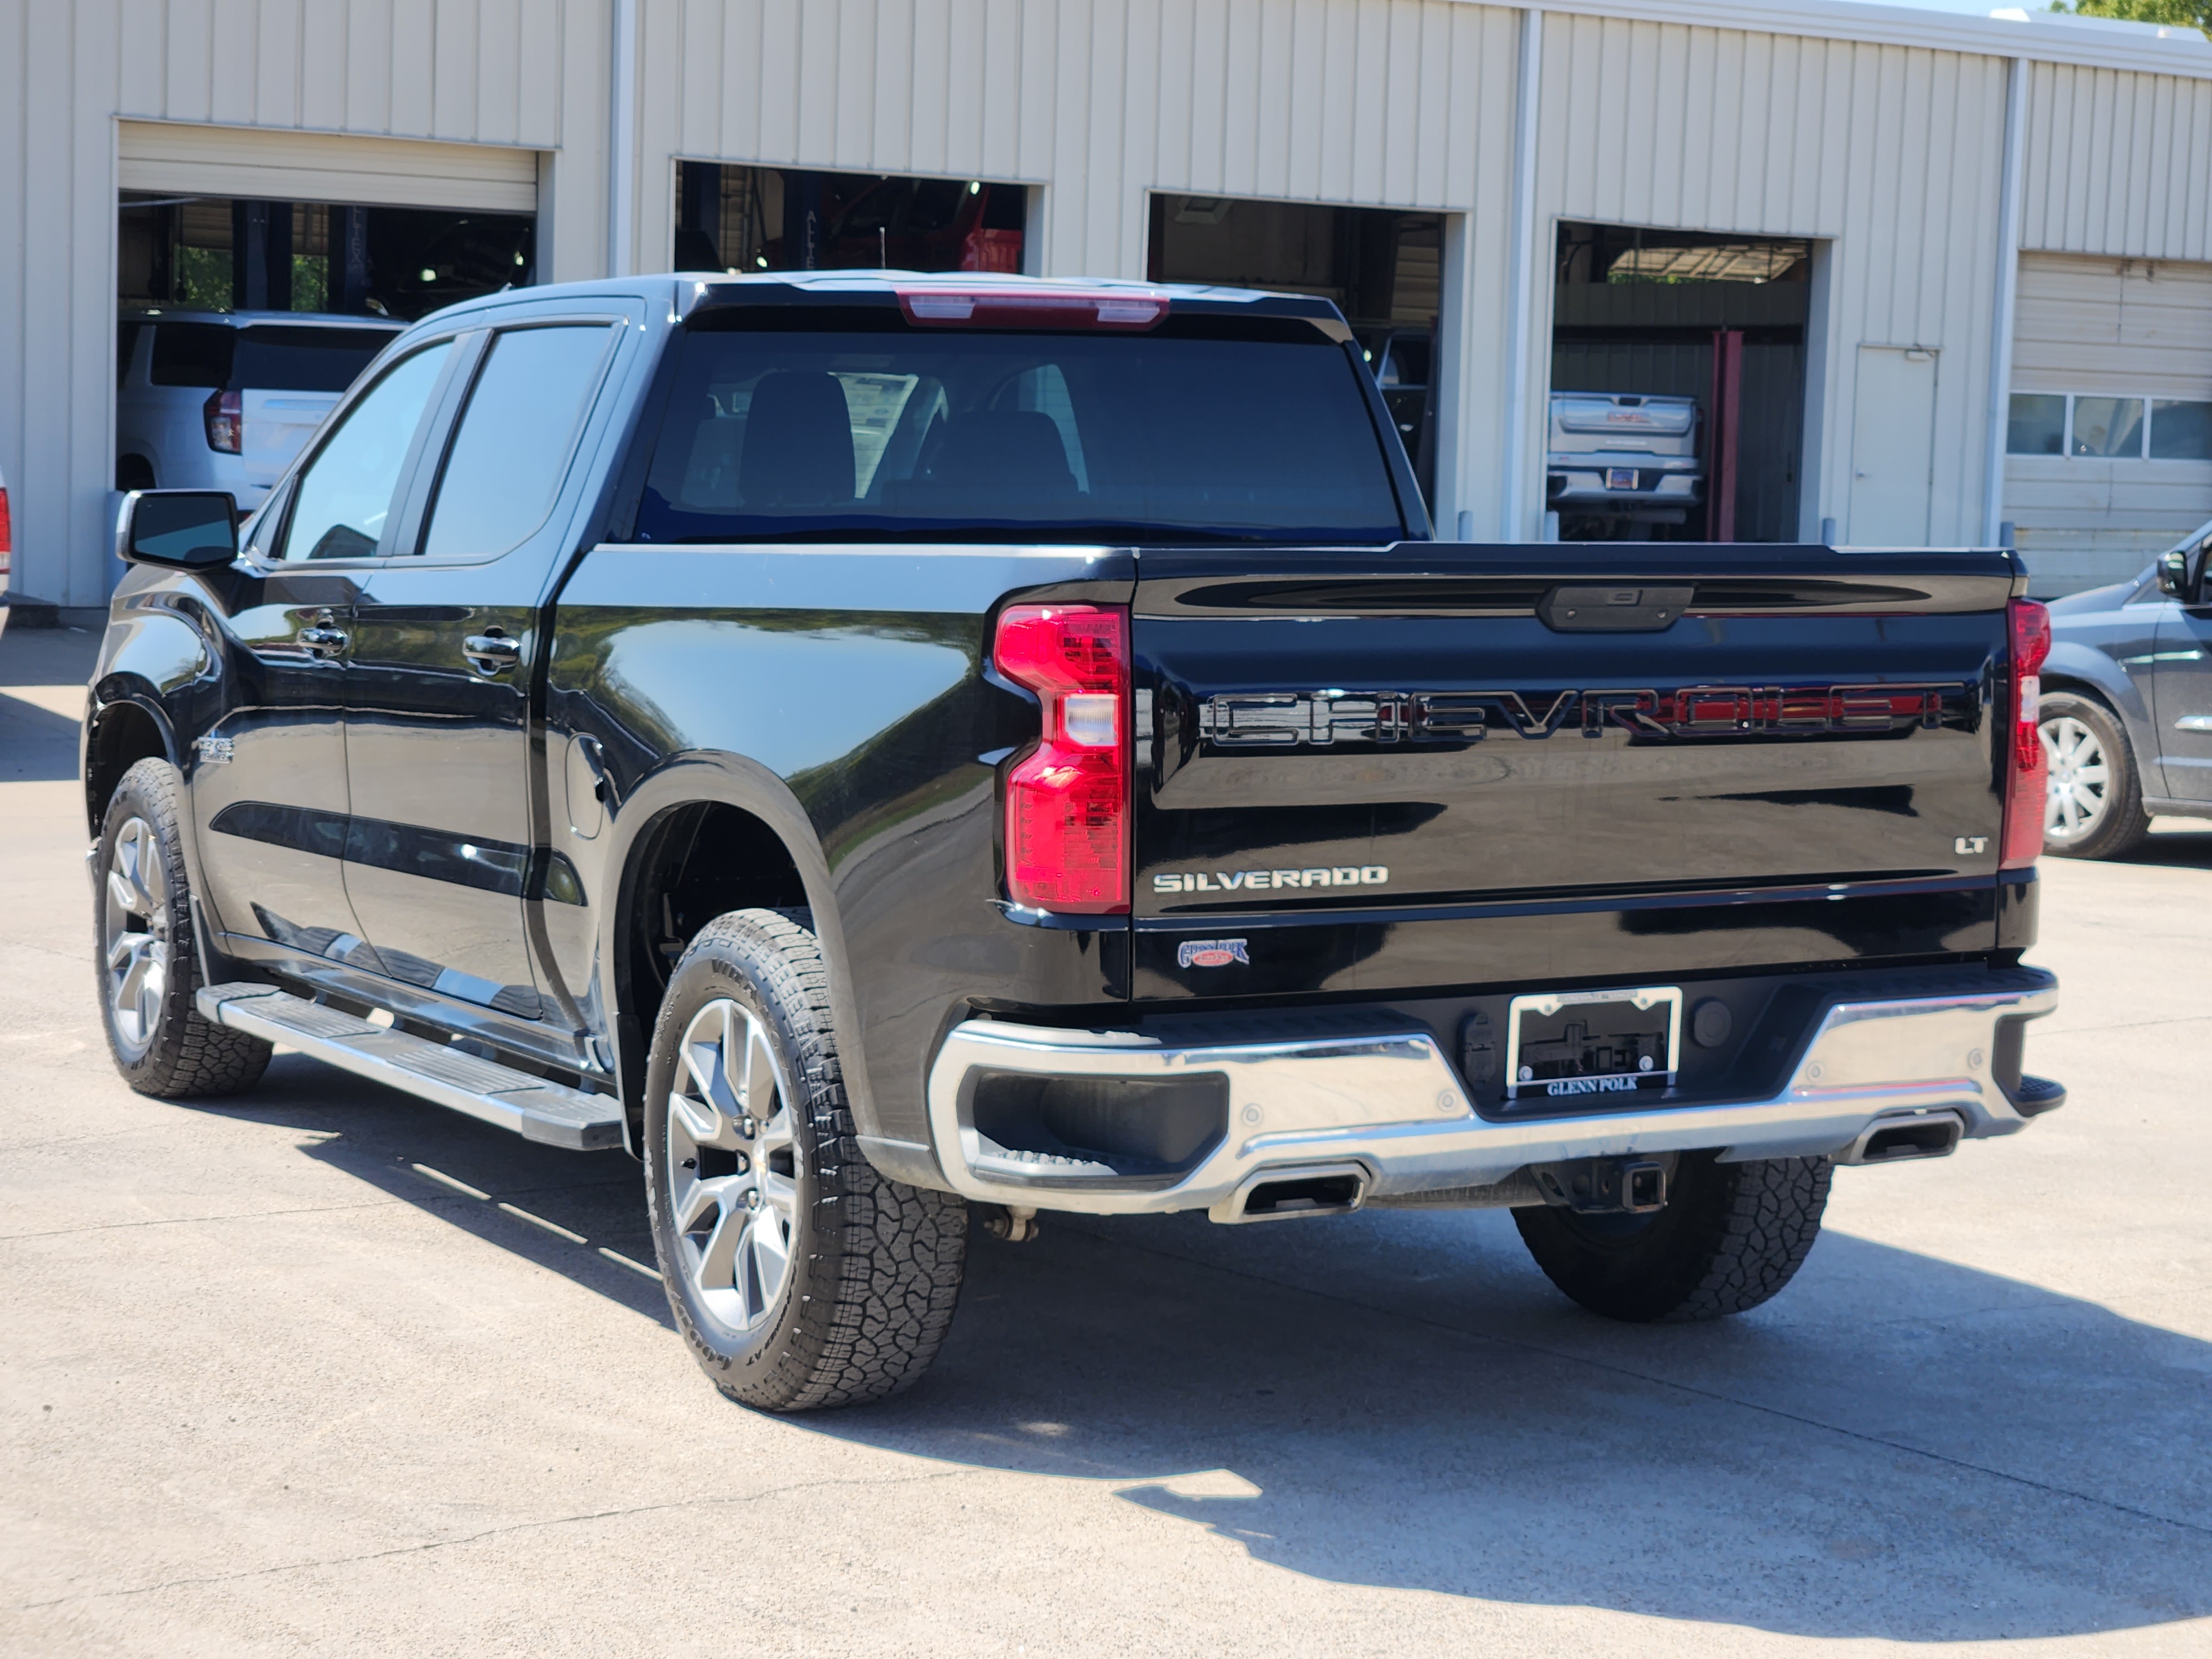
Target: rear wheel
[148, 971]
[2094, 808]
[799, 1275]
[1731, 1236]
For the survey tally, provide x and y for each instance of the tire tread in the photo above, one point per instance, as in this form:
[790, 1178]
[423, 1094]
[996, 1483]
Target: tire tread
[889, 1257]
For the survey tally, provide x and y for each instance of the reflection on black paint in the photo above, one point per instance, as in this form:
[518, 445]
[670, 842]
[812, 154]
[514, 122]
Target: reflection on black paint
[303, 829]
[1893, 797]
[520, 1000]
[490, 866]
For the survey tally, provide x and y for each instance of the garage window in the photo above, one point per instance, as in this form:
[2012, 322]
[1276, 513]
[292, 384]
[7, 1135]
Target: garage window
[2108, 426]
[2038, 425]
[2180, 431]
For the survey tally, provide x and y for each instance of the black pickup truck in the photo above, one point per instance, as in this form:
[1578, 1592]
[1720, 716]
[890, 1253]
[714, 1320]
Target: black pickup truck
[873, 744]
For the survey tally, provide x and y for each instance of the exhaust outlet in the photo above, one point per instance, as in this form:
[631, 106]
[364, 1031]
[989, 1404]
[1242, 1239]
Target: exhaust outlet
[1291, 1194]
[1895, 1141]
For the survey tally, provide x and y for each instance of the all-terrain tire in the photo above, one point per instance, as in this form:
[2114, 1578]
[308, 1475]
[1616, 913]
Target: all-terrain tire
[873, 1266]
[2124, 822]
[161, 1045]
[1731, 1236]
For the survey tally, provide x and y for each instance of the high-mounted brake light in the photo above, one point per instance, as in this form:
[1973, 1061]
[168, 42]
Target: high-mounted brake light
[1031, 307]
[225, 415]
[2027, 770]
[1067, 801]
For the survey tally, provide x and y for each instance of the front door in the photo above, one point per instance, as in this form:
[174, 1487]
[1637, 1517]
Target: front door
[270, 796]
[1893, 447]
[439, 852]
[2181, 701]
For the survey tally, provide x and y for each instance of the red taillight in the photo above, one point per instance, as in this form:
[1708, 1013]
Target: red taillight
[1067, 802]
[226, 422]
[7, 531]
[2026, 769]
[1032, 308]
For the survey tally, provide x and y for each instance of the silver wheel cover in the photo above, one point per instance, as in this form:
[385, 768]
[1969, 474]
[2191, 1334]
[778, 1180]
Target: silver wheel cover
[134, 937]
[732, 1167]
[2080, 790]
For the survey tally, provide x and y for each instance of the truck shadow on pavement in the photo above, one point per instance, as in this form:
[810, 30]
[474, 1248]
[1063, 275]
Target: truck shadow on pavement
[1899, 1447]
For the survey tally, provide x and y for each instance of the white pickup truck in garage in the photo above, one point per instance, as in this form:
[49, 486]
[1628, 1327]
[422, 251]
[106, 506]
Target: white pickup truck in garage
[1620, 455]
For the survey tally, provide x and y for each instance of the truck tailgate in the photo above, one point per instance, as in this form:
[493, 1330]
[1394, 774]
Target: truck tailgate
[1454, 765]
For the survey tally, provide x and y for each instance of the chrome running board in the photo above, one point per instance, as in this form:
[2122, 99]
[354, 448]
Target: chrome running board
[533, 1108]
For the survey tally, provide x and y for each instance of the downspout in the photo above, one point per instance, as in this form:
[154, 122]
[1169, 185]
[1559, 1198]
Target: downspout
[622, 145]
[2007, 297]
[1521, 300]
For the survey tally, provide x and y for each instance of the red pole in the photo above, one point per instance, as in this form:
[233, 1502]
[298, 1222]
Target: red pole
[1721, 437]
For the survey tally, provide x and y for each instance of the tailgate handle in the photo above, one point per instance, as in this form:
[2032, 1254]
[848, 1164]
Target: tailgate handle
[1612, 608]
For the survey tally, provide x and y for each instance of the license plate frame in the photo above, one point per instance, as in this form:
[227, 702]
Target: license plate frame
[1620, 478]
[1539, 1008]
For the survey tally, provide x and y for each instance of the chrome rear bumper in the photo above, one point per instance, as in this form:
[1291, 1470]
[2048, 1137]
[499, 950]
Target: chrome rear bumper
[1386, 1100]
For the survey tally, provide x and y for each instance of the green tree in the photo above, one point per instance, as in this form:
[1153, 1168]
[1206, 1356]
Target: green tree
[2186, 14]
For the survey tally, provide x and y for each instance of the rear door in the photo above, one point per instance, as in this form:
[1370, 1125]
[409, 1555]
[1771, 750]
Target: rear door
[2181, 701]
[1453, 767]
[444, 645]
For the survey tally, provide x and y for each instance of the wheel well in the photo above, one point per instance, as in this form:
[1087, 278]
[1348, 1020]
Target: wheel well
[123, 735]
[695, 863]
[133, 472]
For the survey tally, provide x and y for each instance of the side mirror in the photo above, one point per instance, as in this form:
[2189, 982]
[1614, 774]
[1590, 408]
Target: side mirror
[180, 529]
[2173, 572]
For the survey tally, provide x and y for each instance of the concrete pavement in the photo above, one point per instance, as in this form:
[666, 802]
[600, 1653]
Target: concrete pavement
[324, 1369]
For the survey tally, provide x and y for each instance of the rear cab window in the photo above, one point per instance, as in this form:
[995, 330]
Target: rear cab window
[846, 422]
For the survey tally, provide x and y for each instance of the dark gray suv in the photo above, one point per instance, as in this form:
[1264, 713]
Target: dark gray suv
[2127, 704]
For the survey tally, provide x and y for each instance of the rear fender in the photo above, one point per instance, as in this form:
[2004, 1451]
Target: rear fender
[2073, 664]
[699, 778]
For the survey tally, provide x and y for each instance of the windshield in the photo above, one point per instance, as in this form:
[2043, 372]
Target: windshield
[868, 428]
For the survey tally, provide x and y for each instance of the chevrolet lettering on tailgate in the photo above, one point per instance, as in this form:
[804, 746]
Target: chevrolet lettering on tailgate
[1279, 719]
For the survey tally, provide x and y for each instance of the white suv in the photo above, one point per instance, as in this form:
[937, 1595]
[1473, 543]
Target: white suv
[224, 400]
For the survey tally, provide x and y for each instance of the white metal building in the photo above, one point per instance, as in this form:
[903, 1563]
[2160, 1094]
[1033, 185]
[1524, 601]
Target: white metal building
[1980, 207]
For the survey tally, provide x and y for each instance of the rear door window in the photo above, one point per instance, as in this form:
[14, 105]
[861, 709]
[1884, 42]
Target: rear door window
[193, 354]
[511, 450]
[343, 504]
[277, 358]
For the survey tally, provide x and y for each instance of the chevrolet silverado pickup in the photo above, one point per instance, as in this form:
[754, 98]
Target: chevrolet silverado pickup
[876, 744]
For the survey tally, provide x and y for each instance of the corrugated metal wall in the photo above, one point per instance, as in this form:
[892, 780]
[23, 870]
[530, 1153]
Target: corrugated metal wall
[530, 73]
[1386, 103]
[1887, 154]
[1766, 135]
[1383, 103]
[2117, 163]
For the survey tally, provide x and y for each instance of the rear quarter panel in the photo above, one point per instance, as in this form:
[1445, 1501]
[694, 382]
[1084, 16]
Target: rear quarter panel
[839, 694]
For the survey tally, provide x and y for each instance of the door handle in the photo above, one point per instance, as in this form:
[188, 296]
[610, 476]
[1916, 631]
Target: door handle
[319, 639]
[491, 653]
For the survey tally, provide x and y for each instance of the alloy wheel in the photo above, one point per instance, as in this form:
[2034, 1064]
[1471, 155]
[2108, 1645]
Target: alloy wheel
[2080, 779]
[732, 1167]
[134, 935]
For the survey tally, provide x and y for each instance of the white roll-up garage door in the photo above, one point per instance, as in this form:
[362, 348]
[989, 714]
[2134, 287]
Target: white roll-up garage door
[314, 166]
[2109, 442]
